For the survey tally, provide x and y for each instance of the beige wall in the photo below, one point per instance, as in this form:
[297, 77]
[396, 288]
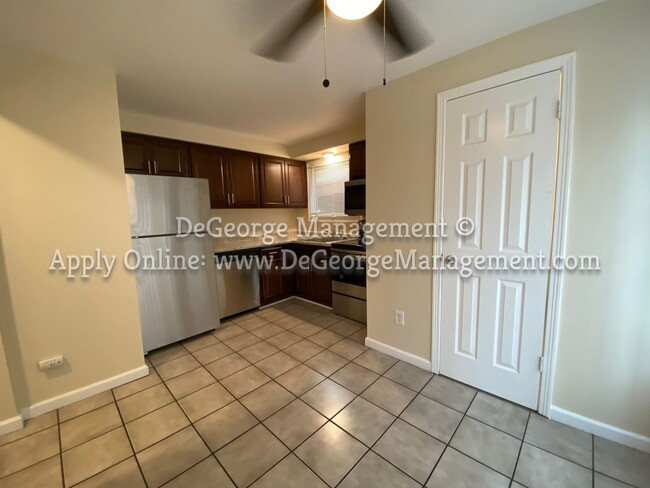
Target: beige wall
[603, 367]
[62, 186]
[186, 131]
[7, 399]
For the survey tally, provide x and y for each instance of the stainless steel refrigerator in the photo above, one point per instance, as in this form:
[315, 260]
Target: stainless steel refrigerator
[174, 304]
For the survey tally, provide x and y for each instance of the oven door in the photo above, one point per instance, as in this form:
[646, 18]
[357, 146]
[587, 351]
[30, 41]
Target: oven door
[349, 284]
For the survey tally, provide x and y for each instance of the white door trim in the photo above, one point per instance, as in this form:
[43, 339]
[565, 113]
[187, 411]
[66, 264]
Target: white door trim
[565, 63]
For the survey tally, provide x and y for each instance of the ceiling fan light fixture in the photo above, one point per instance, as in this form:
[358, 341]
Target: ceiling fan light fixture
[353, 9]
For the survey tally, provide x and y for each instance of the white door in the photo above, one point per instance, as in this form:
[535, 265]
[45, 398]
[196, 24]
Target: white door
[499, 170]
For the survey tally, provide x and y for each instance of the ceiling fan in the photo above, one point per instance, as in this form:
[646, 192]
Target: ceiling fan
[400, 31]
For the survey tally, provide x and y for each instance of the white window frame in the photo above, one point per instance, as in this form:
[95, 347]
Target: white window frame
[318, 163]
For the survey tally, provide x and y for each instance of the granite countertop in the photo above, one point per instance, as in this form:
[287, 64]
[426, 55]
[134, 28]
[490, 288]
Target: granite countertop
[229, 245]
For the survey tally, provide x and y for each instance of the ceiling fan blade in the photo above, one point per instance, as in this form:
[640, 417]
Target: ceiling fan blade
[281, 43]
[405, 35]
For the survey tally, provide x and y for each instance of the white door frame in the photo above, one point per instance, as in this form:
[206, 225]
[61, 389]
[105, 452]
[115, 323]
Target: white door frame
[565, 63]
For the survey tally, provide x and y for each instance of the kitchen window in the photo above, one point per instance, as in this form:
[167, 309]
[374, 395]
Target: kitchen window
[327, 187]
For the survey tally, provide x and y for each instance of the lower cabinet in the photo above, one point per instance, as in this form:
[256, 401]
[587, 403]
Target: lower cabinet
[312, 282]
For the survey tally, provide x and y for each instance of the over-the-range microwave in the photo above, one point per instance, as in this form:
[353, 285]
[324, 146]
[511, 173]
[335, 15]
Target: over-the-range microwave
[355, 197]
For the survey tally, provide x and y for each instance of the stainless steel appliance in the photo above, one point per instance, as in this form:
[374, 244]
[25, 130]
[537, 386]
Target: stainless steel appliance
[238, 286]
[349, 280]
[174, 303]
[355, 197]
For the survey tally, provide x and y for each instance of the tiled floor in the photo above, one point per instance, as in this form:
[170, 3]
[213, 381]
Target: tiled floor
[290, 397]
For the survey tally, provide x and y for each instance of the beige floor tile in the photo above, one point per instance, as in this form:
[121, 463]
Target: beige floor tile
[433, 418]
[205, 401]
[187, 383]
[207, 474]
[291, 472]
[408, 375]
[122, 475]
[284, 340]
[224, 425]
[326, 338]
[325, 320]
[228, 332]
[212, 353]
[253, 322]
[306, 329]
[348, 349]
[561, 440]
[46, 474]
[331, 453]
[378, 473]
[144, 402]
[88, 426]
[177, 367]
[499, 414]
[31, 426]
[200, 342]
[28, 451]
[328, 398]
[389, 395]
[277, 364]
[245, 381]
[152, 379]
[266, 400]
[359, 336]
[251, 455]
[376, 361]
[449, 392]
[300, 379]
[226, 366]
[410, 449]
[303, 350]
[540, 468]
[155, 426]
[288, 322]
[95, 456]
[354, 377]
[455, 470]
[267, 331]
[621, 462]
[601, 481]
[167, 353]
[308, 313]
[84, 406]
[487, 445]
[294, 423]
[257, 352]
[365, 421]
[170, 457]
[345, 328]
[326, 363]
[239, 342]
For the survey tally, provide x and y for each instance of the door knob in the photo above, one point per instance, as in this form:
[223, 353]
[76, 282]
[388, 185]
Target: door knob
[450, 260]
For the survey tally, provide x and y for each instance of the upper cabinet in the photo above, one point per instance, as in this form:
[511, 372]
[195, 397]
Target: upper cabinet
[155, 156]
[243, 178]
[358, 160]
[207, 163]
[284, 182]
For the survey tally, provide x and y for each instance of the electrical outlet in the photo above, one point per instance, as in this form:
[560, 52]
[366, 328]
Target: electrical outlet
[399, 317]
[50, 363]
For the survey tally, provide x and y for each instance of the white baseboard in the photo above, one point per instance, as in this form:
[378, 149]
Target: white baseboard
[601, 429]
[83, 393]
[407, 357]
[11, 424]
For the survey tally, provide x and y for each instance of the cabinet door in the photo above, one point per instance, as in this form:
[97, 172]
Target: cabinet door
[296, 183]
[358, 160]
[303, 273]
[321, 278]
[169, 158]
[243, 178]
[135, 150]
[271, 277]
[272, 176]
[206, 163]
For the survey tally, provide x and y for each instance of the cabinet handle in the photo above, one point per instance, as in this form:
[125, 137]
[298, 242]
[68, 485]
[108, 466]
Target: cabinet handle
[232, 199]
[155, 170]
[229, 202]
[288, 200]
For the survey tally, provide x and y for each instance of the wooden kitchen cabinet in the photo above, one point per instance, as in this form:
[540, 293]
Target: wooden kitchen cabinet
[207, 163]
[358, 160]
[283, 183]
[315, 282]
[272, 277]
[149, 155]
[243, 178]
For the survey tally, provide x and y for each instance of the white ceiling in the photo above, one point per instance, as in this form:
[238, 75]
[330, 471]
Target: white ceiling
[190, 59]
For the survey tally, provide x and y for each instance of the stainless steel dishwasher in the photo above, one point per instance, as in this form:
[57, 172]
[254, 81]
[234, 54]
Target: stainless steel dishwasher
[238, 285]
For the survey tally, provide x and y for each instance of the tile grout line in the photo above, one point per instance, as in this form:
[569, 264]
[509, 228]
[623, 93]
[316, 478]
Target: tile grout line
[521, 448]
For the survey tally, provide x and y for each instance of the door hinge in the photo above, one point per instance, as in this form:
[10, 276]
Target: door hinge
[540, 364]
[559, 109]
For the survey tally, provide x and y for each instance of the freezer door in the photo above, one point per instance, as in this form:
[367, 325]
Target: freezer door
[176, 304]
[156, 201]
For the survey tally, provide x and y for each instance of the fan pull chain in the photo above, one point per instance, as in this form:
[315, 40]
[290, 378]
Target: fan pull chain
[385, 42]
[326, 82]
